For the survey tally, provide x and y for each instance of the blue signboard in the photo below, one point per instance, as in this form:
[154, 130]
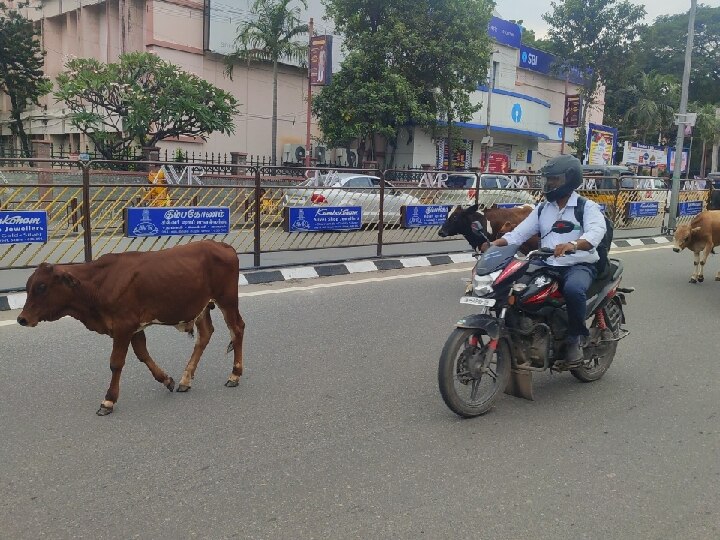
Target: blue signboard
[325, 218]
[643, 209]
[505, 32]
[425, 215]
[177, 221]
[18, 227]
[690, 208]
[536, 60]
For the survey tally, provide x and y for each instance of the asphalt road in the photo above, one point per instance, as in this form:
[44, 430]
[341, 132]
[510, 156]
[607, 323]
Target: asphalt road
[337, 429]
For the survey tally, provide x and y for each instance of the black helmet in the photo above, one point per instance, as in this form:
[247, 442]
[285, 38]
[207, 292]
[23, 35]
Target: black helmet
[561, 176]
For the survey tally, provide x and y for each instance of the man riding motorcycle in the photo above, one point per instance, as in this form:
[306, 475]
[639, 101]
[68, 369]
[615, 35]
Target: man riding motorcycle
[575, 251]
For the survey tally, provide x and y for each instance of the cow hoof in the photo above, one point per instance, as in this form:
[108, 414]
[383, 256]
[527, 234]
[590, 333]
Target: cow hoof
[104, 411]
[183, 388]
[701, 279]
[232, 384]
[717, 278]
[170, 384]
[693, 280]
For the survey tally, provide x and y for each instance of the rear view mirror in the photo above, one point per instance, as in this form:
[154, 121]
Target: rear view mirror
[563, 227]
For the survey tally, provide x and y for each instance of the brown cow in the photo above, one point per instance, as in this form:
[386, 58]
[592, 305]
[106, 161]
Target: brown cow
[702, 234]
[120, 294]
[494, 222]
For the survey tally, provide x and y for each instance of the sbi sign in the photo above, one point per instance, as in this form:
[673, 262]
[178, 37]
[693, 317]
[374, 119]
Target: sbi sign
[529, 58]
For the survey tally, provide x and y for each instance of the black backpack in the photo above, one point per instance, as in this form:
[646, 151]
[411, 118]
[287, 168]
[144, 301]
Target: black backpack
[604, 247]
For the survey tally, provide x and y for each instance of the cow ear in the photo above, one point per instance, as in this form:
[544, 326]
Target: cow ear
[46, 266]
[69, 280]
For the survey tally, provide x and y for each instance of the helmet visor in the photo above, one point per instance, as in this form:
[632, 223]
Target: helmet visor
[551, 182]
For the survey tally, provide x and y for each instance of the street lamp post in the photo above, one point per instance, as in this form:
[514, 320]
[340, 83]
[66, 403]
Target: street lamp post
[682, 121]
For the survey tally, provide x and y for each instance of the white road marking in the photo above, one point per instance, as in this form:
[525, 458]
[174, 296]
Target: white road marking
[412, 262]
[303, 272]
[634, 242]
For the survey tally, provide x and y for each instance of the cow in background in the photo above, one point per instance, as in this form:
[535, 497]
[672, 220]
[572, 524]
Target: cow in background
[120, 294]
[702, 234]
[481, 226]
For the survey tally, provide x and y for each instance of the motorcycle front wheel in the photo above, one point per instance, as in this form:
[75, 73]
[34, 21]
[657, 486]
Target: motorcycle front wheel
[467, 388]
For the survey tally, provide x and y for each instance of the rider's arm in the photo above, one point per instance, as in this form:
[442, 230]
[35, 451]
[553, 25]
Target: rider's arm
[527, 228]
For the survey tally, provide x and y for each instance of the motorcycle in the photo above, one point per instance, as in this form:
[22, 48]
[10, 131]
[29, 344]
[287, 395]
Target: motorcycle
[519, 327]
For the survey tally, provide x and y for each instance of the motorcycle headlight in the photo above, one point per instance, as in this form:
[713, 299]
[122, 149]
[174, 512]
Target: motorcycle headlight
[482, 285]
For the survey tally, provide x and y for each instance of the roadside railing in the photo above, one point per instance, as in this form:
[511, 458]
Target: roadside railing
[86, 205]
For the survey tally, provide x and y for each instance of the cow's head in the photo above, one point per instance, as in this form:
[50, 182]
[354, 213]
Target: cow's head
[460, 220]
[50, 290]
[682, 236]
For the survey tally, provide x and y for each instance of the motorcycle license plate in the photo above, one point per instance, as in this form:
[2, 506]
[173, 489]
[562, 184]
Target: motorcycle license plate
[475, 301]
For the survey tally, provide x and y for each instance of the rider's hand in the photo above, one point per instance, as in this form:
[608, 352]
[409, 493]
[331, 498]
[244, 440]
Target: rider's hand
[564, 249]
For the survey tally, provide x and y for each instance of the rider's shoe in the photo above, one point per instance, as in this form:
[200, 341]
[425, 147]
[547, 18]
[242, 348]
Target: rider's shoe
[573, 353]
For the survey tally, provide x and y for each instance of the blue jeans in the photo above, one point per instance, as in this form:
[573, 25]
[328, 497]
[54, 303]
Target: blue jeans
[575, 281]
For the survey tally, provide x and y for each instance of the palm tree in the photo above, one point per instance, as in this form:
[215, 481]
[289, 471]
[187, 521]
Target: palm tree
[270, 37]
[655, 96]
[707, 127]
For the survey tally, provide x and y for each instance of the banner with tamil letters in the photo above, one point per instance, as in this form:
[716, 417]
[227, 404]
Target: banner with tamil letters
[177, 221]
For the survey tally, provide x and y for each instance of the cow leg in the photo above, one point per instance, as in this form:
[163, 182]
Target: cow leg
[117, 362]
[140, 348]
[706, 254]
[205, 330]
[236, 325]
[696, 262]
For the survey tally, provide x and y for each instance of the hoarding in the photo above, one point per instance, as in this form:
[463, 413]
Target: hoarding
[600, 147]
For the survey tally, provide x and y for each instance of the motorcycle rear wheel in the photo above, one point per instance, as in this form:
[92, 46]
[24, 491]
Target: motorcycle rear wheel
[598, 366]
[464, 394]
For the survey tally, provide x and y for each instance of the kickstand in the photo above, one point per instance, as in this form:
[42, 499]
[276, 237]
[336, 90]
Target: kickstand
[520, 384]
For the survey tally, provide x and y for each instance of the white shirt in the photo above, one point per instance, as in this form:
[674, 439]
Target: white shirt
[593, 230]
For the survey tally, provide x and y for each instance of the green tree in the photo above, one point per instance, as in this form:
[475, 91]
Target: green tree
[707, 130]
[434, 45]
[21, 68]
[141, 99]
[662, 49]
[594, 36]
[271, 36]
[655, 98]
[365, 98]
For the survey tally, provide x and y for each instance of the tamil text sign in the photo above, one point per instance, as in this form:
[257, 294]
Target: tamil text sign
[177, 221]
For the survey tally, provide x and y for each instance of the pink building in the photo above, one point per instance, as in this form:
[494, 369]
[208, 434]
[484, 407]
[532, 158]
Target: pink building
[175, 31]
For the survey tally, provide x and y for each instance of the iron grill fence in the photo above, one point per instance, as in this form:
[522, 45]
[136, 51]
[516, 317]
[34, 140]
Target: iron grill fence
[86, 202]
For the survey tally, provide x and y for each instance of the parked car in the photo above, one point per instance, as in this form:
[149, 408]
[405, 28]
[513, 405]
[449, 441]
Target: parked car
[461, 189]
[609, 174]
[713, 179]
[350, 189]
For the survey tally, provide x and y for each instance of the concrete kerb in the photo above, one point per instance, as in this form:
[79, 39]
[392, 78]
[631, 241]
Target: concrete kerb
[16, 300]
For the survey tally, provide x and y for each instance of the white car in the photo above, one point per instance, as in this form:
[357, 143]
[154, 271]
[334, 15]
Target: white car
[461, 189]
[350, 189]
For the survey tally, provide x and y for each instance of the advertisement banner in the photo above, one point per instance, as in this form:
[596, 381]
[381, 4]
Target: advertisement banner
[505, 32]
[600, 146]
[326, 218]
[573, 106]
[320, 60]
[177, 221]
[644, 155]
[642, 209]
[424, 215]
[499, 163]
[690, 208]
[462, 157]
[671, 161]
[23, 227]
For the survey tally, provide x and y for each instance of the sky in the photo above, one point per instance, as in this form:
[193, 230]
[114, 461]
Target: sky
[531, 11]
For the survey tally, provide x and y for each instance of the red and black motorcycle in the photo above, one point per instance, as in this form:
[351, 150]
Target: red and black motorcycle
[520, 326]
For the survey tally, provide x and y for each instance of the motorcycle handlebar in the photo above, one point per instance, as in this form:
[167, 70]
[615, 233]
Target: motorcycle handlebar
[542, 253]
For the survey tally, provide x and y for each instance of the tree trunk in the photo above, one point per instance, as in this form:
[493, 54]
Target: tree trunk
[274, 114]
[702, 159]
[17, 128]
[714, 161]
